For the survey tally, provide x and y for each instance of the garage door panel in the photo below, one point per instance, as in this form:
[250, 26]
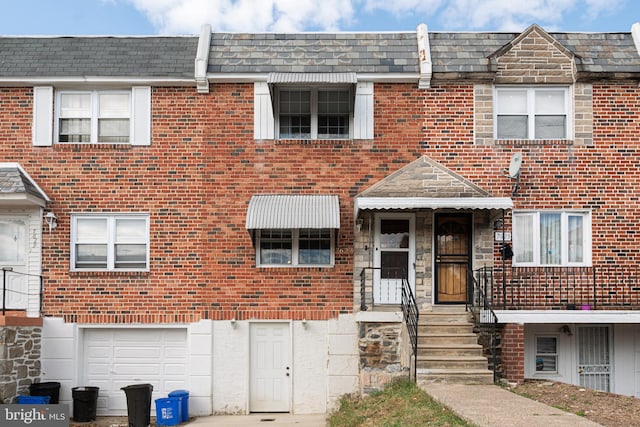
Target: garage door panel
[116, 358]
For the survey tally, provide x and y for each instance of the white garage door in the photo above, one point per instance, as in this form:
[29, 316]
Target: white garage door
[115, 358]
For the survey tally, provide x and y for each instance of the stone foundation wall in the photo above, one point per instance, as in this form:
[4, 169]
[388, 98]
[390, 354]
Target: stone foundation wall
[20, 349]
[380, 355]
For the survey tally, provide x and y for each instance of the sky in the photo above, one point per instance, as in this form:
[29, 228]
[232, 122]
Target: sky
[175, 17]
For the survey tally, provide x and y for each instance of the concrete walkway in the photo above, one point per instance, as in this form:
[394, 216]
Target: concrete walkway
[481, 405]
[493, 406]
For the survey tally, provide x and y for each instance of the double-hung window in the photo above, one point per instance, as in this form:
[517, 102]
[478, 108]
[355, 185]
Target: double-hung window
[532, 113]
[546, 354]
[110, 242]
[548, 238]
[94, 116]
[295, 247]
[314, 113]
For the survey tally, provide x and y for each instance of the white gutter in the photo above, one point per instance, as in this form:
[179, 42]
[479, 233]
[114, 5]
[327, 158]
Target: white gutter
[424, 57]
[202, 59]
[567, 316]
[48, 81]
[11, 165]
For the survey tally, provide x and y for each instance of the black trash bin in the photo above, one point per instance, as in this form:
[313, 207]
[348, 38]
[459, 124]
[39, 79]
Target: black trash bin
[138, 404]
[85, 403]
[51, 389]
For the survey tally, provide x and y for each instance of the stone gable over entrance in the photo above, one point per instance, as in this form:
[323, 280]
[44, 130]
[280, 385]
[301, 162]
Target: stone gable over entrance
[424, 178]
[534, 57]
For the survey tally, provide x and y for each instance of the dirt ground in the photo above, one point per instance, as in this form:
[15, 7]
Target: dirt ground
[607, 409]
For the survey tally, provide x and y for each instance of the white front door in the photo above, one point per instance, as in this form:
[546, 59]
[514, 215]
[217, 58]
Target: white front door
[270, 367]
[13, 261]
[394, 257]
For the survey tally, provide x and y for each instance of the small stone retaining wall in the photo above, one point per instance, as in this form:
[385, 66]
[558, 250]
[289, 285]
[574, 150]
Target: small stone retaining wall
[380, 355]
[20, 348]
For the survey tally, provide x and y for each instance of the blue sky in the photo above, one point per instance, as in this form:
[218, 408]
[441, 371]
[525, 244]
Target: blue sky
[146, 17]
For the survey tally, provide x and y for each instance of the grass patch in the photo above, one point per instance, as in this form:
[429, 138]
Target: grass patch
[400, 404]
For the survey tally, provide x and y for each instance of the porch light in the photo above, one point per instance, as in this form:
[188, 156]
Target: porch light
[52, 220]
[359, 223]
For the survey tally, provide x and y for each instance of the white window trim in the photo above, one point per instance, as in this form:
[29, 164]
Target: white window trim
[587, 239]
[557, 354]
[531, 108]
[110, 217]
[314, 109]
[95, 94]
[295, 237]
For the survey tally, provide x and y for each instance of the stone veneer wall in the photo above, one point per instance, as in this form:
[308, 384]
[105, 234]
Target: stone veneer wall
[380, 355]
[20, 348]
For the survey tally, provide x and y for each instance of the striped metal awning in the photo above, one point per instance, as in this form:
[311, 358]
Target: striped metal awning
[312, 78]
[286, 211]
[401, 203]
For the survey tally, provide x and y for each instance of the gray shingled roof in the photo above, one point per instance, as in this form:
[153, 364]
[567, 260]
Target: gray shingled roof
[170, 57]
[13, 181]
[597, 52]
[314, 53]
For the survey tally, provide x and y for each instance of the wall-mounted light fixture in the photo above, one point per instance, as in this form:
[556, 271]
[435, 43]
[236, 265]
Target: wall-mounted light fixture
[52, 220]
[359, 223]
[304, 323]
[233, 322]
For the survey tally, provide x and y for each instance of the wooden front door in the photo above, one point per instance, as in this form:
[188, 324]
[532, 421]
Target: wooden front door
[452, 257]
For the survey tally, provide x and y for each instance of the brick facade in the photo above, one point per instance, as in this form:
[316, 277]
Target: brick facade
[513, 352]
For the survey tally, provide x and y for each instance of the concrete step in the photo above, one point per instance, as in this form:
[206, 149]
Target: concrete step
[446, 328]
[450, 339]
[450, 376]
[452, 362]
[450, 350]
[442, 317]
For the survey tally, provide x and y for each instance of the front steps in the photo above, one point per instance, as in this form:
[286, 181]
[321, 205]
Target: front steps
[448, 350]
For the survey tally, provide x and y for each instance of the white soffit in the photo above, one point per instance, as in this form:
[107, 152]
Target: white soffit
[312, 78]
[287, 211]
[390, 203]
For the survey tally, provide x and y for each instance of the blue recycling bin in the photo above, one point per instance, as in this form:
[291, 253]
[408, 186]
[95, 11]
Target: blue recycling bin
[168, 411]
[33, 400]
[183, 396]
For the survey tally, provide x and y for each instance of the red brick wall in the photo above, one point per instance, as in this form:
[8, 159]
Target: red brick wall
[513, 352]
[197, 177]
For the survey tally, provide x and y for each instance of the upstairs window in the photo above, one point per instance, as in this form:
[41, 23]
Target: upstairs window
[94, 117]
[110, 242]
[549, 238]
[532, 113]
[296, 247]
[314, 113]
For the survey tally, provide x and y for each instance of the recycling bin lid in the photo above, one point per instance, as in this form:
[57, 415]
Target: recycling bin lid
[179, 393]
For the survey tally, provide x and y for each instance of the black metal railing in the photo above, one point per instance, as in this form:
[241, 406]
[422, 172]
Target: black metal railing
[22, 289]
[478, 304]
[411, 316]
[567, 288]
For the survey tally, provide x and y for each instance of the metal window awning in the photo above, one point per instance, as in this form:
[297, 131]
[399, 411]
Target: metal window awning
[286, 211]
[400, 203]
[312, 78]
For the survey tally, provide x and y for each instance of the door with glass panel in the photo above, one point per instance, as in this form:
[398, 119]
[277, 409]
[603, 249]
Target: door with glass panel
[394, 257]
[452, 257]
[13, 261]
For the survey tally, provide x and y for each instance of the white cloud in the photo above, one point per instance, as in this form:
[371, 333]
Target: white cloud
[186, 16]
